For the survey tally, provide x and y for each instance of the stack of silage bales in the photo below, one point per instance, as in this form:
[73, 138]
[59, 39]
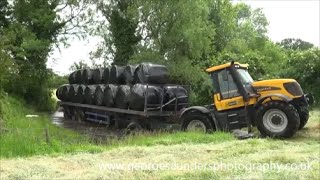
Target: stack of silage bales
[125, 87]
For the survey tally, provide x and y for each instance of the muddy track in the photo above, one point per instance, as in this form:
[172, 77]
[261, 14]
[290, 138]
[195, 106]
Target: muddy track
[97, 131]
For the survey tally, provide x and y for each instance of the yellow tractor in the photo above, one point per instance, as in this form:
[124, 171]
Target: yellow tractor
[278, 107]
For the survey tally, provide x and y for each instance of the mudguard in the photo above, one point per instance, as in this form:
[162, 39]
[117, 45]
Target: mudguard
[205, 111]
[281, 96]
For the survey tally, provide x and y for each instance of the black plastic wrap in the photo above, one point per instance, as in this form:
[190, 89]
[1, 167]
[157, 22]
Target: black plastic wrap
[65, 92]
[89, 94]
[178, 92]
[116, 76]
[72, 78]
[122, 97]
[59, 92]
[87, 76]
[79, 96]
[78, 76]
[72, 92]
[101, 75]
[109, 95]
[128, 73]
[98, 95]
[151, 73]
[138, 94]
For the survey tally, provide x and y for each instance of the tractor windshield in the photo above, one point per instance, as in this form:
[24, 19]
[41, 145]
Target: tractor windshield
[245, 77]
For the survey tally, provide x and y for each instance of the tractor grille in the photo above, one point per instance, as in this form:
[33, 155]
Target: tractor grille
[293, 88]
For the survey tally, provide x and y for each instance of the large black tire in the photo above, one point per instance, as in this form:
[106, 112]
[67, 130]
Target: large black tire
[133, 128]
[269, 115]
[193, 119]
[304, 116]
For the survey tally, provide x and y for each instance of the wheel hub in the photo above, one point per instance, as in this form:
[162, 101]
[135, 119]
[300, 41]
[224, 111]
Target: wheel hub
[196, 125]
[275, 120]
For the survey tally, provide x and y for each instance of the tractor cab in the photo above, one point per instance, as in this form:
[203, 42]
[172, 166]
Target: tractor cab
[232, 85]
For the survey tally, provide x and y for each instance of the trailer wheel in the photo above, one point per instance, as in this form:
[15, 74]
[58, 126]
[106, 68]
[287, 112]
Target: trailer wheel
[196, 121]
[67, 113]
[133, 128]
[277, 119]
[78, 115]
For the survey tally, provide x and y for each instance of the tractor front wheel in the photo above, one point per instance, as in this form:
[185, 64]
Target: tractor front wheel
[277, 119]
[304, 116]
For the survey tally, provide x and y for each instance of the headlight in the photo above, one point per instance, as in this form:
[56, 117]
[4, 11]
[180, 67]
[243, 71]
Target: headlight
[293, 88]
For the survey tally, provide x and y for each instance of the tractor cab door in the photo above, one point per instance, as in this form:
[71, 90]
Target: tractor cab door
[229, 103]
[226, 93]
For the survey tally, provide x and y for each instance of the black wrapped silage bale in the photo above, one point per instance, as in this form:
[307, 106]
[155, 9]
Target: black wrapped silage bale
[178, 92]
[87, 76]
[109, 95]
[79, 97]
[106, 75]
[116, 76]
[151, 73]
[72, 92]
[101, 75]
[98, 94]
[59, 93]
[139, 93]
[122, 97]
[78, 76]
[72, 78]
[89, 94]
[65, 92]
[128, 73]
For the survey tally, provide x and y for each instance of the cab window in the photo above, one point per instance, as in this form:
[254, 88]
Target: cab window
[228, 88]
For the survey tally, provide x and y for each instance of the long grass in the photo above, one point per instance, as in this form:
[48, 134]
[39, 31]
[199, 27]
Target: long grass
[22, 136]
[74, 156]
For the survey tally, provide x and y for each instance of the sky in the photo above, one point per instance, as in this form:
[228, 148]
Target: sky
[287, 19]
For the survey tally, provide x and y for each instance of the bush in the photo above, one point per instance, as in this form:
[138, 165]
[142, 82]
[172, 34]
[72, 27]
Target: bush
[304, 66]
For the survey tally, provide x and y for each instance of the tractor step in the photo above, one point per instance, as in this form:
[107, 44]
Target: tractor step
[241, 134]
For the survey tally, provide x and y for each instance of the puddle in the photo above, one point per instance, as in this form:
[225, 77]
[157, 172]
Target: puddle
[93, 130]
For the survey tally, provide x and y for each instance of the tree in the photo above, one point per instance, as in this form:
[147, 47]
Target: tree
[119, 33]
[295, 44]
[4, 13]
[174, 36]
[223, 16]
[304, 66]
[79, 65]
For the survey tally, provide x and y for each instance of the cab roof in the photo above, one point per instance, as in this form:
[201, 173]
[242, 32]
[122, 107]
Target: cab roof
[222, 66]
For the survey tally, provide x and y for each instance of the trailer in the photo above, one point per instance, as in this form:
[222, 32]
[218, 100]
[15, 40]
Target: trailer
[152, 117]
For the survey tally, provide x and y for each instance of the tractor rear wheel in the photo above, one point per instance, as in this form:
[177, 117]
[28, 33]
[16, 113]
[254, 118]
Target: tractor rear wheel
[277, 119]
[196, 121]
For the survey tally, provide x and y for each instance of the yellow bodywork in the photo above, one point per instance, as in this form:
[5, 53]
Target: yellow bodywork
[222, 66]
[264, 88]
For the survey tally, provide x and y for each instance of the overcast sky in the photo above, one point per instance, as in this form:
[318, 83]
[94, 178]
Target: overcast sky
[287, 19]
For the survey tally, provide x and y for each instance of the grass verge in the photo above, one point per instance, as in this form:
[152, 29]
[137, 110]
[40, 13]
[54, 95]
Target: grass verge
[73, 156]
[22, 136]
